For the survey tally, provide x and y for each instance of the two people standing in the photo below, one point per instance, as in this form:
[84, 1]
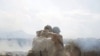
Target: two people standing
[54, 34]
[48, 42]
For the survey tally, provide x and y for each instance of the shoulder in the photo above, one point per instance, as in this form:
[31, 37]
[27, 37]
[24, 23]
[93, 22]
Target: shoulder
[39, 31]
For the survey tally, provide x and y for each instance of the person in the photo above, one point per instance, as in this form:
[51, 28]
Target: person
[57, 31]
[44, 33]
[58, 40]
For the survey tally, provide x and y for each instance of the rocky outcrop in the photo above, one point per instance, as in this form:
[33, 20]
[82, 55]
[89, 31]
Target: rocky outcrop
[42, 47]
[47, 43]
[73, 49]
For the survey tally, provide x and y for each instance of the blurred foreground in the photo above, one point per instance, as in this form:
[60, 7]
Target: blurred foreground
[19, 43]
[75, 47]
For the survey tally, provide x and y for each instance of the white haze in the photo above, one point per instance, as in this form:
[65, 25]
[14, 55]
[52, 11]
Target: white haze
[76, 18]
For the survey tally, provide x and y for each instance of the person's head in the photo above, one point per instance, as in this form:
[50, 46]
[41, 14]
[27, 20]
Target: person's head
[48, 27]
[56, 30]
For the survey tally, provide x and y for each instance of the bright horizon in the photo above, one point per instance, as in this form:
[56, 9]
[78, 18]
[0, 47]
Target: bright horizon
[75, 18]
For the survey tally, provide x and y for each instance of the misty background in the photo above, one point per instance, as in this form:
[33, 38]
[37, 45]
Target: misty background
[77, 19]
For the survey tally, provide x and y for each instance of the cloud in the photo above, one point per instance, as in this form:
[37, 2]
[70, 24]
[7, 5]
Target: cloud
[14, 21]
[76, 23]
[73, 17]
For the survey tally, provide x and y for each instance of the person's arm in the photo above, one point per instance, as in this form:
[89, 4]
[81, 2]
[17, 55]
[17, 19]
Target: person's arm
[38, 33]
[57, 39]
[61, 40]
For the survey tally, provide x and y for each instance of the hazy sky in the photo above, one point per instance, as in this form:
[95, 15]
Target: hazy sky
[76, 18]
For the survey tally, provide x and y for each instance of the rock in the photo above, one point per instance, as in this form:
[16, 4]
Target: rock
[45, 47]
[42, 46]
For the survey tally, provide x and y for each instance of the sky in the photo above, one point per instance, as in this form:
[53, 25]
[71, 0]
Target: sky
[75, 18]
